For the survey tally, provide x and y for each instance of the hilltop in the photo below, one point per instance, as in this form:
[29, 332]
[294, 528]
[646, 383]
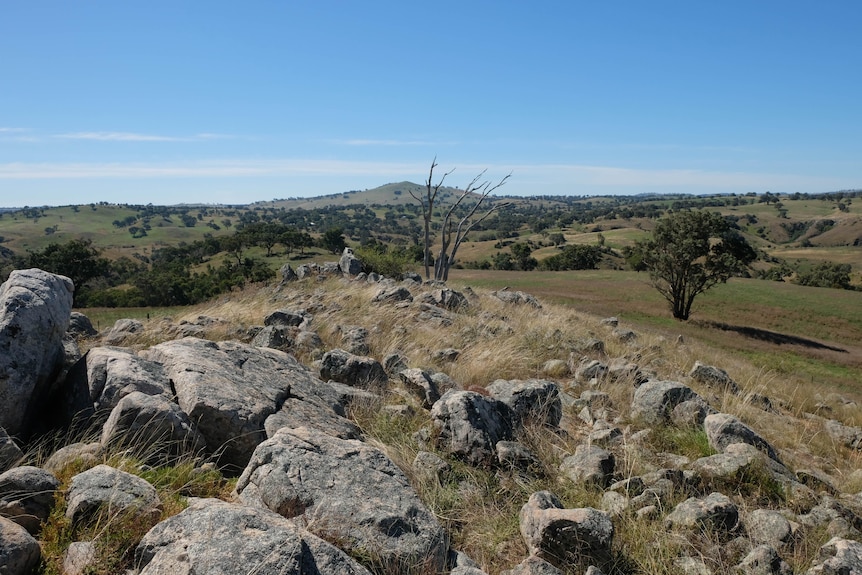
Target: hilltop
[664, 454]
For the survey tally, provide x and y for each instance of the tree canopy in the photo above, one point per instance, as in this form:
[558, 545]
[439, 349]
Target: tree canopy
[690, 252]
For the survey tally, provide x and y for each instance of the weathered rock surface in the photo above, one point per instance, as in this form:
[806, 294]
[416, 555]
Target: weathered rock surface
[715, 511]
[287, 318]
[349, 264]
[713, 377]
[106, 487]
[393, 294]
[589, 464]
[470, 425]
[345, 367]
[34, 314]
[654, 401]
[532, 400]
[763, 560]
[516, 297]
[80, 326]
[111, 373]
[27, 496]
[533, 565]
[349, 490]
[768, 526]
[229, 389]
[153, 426]
[10, 453]
[212, 537]
[19, 551]
[122, 330]
[419, 383]
[838, 557]
[562, 536]
[723, 429]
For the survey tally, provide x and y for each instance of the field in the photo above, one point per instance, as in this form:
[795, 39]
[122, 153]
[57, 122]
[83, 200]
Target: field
[814, 333]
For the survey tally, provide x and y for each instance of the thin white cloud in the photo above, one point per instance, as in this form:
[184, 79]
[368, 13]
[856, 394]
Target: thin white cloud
[373, 142]
[526, 179]
[136, 137]
[7, 130]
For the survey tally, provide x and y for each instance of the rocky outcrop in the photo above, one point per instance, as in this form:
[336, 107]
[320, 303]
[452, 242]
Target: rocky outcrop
[349, 264]
[34, 314]
[10, 453]
[212, 537]
[715, 511]
[838, 556]
[723, 429]
[122, 331]
[348, 491]
[589, 464]
[470, 425]
[713, 377]
[152, 426]
[229, 389]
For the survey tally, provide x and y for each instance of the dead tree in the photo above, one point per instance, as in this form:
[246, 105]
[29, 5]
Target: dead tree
[447, 256]
[427, 203]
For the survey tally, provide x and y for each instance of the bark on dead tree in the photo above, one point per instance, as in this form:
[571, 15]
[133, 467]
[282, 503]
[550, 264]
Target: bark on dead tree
[447, 257]
[427, 203]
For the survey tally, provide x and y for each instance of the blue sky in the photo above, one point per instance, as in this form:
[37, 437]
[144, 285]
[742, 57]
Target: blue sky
[235, 102]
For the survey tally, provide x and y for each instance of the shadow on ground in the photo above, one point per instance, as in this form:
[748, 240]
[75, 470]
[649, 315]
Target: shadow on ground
[769, 336]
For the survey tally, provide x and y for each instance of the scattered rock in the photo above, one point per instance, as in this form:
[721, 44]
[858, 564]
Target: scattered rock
[514, 455]
[723, 429]
[713, 377]
[114, 490]
[589, 464]
[767, 526]
[27, 496]
[564, 536]
[470, 425]
[79, 556]
[123, 330]
[345, 367]
[446, 355]
[763, 560]
[533, 565]
[287, 274]
[715, 511]
[349, 264]
[838, 556]
[287, 318]
[430, 467]
[19, 551]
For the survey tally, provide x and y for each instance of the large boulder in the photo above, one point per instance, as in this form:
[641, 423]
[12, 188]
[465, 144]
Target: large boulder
[123, 330]
[581, 536]
[420, 384]
[34, 314]
[229, 389]
[19, 551]
[213, 537]
[153, 427]
[108, 488]
[27, 496]
[529, 401]
[111, 373]
[470, 425]
[654, 401]
[350, 491]
[713, 377]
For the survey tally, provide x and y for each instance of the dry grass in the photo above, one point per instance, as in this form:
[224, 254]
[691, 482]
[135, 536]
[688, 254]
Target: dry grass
[479, 507]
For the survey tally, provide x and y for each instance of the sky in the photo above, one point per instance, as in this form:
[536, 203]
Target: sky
[170, 102]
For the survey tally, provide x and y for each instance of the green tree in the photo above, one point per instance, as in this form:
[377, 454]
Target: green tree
[690, 252]
[333, 240]
[826, 274]
[76, 259]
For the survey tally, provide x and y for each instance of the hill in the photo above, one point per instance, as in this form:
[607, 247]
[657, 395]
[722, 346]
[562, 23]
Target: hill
[615, 424]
